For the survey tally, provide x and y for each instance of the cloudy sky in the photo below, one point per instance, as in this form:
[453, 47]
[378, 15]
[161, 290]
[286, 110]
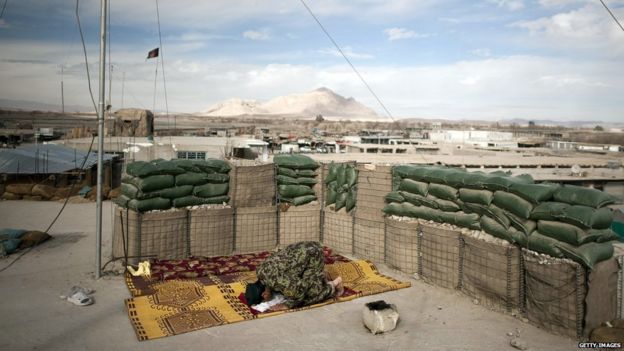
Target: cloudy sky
[486, 59]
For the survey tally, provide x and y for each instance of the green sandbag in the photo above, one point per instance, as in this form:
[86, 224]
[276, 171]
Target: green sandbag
[331, 173]
[422, 212]
[157, 203]
[447, 206]
[500, 182]
[526, 226]
[211, 190]
[176, 192]
[413, 172]
[456, 178]
[544, 244]
[217, 178]
[513, 203]
[396, 182]
[414, 187]
[341, 201]
[394, 209]
[212, 165]
[306, 173]
[306, 181]
[122, 201]
[287, 172]
[285, 180]
[534, 193]
[483, 197]
[301, 200]
[474, 180]
[153, 183]
[519, 237]
[607, 235]
[548, 211]
[460, 219]
[129, 190]
[578, 195]
[198, 201]
[191, 178]
[351, 197]
[330, 196]
[293, 191]
[187, 165]
[168, 167]
[479, 209]
[492, 227]
[394, 196]
[442, 191]
[141, 169]
[341, 175]
[351, 175]
[437, 174]
[568, 233]
[295, 161]
[586, 217]
[499, 215]
[415, 200]
[588, 254]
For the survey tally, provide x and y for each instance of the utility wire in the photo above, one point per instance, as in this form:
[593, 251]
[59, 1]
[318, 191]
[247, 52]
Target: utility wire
[612, 15]
[84, 50]
[3, 8]
[162, 61]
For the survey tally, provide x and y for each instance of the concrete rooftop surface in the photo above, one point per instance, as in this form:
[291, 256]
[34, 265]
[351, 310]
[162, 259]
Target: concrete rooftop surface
[35, 318]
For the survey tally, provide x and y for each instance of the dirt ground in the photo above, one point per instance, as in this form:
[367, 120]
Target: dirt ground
[35, 318]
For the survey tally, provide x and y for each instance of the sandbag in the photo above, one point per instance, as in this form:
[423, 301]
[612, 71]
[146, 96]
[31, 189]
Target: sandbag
[544, 244]
[534, 193]
[567, 233]
[588, 254]
[394, 209]
[422, 212]
[606, 235]
[504, 182]
[191, 178]
[295, 161]
[292, 191]
[45, 191]
[442, 191]
[548, 211]
[351, 197]
[414, 187]
[479, 209]
[499, 215]
[122, 201]
[157, 203]
[526, 226]
[187, 165]
[302, 200]
[306, 181]
[341, 175]
[129, 190]
[176, 192]
[492, 227]
[483, 197]
[351, 175]
[341, 201]
[586, 217]
[332, 173]
[460, 219]
[212, 165]
[198, 201]
[285, 180]
[513, 203]
[578, 195]
[217, 178]
[330, 196]
[153, 183]
[437, 175]
[141, 169]
[32, 238]
[306, 173]
[211, 190]
[19, 189]
[167, 167]
[413, 172]
[447, 206]
[286, 172]
[454, 177]
[394, 196]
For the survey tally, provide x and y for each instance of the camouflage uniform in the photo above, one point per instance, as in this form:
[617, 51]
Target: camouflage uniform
[297, 273]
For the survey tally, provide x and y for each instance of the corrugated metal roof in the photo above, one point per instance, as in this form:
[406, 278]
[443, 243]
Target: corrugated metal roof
[45, 159]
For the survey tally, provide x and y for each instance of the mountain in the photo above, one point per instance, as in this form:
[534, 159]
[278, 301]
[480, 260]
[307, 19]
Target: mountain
[321, 101]
[32, 105]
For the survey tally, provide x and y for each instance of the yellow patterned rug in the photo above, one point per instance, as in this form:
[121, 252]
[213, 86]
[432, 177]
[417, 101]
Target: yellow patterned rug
[180, 306]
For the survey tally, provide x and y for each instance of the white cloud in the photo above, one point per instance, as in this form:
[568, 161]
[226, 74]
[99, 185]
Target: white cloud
[262, 34]
[481, 52]
[512, 5]
[403, 33]
[348, 51]
[559, 3]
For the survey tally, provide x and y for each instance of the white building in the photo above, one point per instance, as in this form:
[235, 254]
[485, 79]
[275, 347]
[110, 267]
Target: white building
[481, 138]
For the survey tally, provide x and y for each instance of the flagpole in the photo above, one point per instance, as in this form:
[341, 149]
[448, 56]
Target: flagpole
[155, 78]
[100, 151]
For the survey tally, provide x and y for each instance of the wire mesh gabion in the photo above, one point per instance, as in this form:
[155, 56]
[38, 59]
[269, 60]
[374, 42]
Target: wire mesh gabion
[402, 249]
[338, 231]
[369, 239]
[211, 231]
[300, 223]
[439, 261]
[256, 229]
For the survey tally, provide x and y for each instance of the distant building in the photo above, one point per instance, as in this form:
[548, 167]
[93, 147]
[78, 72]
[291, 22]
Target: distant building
[480, 138]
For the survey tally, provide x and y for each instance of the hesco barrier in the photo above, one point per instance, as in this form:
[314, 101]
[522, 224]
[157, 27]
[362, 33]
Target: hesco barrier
[154, 234]
[374, 183]
[555, 293]
[256, 229]
[338, 231]
[492, 274]
[402, 249]
[211, 231]
[252, 185]
[601, 303]
[440, 258]
[369, 239]
[299, 223]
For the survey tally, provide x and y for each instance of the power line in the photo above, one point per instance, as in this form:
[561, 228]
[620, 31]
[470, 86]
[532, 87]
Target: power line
[612, 15]
[84, 50]
[3, 8]
[162, 61]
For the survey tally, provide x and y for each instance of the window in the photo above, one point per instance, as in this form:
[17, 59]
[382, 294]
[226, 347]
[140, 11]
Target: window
[192, 155]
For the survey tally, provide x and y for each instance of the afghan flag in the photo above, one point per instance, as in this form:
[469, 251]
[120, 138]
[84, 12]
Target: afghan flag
[152, 54]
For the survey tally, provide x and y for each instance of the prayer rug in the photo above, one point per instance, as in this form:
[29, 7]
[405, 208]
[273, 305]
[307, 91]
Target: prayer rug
[180, 306]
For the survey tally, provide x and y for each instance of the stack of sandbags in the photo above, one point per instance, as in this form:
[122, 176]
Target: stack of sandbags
[341, 184]
[160, 184]
[296, 177]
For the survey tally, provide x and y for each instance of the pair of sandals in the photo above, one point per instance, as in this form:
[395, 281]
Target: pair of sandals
[79, 296]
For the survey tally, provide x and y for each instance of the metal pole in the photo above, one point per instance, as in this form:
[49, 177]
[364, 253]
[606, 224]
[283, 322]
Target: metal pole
[62, 93]
[100, 151]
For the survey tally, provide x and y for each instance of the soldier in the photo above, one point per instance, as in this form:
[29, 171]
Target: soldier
[297, 272]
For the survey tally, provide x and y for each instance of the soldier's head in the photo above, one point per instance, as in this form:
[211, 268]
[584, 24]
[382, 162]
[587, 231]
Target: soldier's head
[254, 293]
